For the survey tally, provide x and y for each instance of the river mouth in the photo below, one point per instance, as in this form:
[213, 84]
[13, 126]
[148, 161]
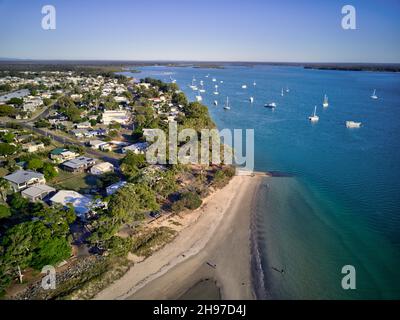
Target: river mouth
[205, 289]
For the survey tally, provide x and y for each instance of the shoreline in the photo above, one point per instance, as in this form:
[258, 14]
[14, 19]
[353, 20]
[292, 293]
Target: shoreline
[215, 244]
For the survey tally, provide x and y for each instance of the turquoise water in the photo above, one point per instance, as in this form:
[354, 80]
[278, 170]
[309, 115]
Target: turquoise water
[342, 204]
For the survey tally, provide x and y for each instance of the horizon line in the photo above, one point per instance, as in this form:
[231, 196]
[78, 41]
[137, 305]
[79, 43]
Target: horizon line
[6, 59]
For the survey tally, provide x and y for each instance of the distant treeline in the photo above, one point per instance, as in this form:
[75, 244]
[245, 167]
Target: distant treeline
[108, 67]
[356, 67]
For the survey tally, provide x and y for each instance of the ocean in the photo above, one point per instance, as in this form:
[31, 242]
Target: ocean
[341, 203]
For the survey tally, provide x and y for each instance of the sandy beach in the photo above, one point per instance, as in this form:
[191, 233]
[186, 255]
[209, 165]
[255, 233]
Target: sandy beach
[214, 246]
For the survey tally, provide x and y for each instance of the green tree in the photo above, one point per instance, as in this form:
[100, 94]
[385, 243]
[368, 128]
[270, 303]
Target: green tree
[49, 171]
[132, 201]
[50, 252]
[132, 163]
[5, 211]
[35, 164]
[5, 189]
[7, 111]
[16, 101]
[7, 149]
[8, 137]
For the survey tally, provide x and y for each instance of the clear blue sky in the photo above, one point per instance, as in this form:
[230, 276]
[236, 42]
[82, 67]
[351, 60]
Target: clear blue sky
[245, 30]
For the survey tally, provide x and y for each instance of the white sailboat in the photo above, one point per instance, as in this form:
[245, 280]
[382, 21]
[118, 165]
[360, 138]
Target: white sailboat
[314, 116]
[215, 102]
[353, 124]
[199, 97]
[193, 85]
[287, 89]
[244, 86]
[201, 87]
[221, 81]
[325, 103]
[227, 107]
[282, 92]
[251, 99]
[374, 96]
[213, 79]
[271, 105]
[254, 83]
[216, 90]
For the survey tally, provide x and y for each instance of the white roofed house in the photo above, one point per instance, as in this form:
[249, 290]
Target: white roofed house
[31, 104]
[102, 168]
[79, 164]
[33, 146]
[22, 179]
[115, 187]
[96, 144]
[37, 192]
[119, 116]
[79, 202]
[137, 148]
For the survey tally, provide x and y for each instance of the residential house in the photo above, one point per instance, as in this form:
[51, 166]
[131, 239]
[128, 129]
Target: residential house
[137, 148]
[115, 187]
[79, 202]
[22, 179]
[33, 146]
[79, 164]
[60, 155]
[102, 168]
[37, 192]
[119, 116]
[96, 144]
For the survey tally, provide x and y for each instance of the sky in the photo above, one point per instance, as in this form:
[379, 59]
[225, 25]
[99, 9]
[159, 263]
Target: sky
[203, 30]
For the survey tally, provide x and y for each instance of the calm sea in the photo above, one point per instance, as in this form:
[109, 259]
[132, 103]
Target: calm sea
[342, 205]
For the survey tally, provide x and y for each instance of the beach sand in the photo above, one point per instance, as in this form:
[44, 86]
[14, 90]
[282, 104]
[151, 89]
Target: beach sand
[214, 246]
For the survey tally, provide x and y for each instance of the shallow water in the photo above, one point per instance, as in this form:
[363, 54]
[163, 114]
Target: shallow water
[342, 205]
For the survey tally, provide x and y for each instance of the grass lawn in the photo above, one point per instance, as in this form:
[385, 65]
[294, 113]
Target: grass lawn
[79, 182]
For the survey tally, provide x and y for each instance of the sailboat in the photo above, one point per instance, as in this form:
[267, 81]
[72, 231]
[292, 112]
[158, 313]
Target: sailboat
[254, 83]
[282, 92]
[287, 89]
[227, 107]
[199, 97]
[172, 80]
[201, 87]
[325, 103]
[215, 102]
[314, 117]
[353, 124]
[271, 105]
[193, 85]
[251, 99]
[216, 89]
[213, 79]
[244, 86]
[221, 81]
[374, 96]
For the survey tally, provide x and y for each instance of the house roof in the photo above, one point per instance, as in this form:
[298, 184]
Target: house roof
[80, 202]
[114, 187]
[36, 191]
[58, 151]
[22, 176]
[103, 166]
[78, 162]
